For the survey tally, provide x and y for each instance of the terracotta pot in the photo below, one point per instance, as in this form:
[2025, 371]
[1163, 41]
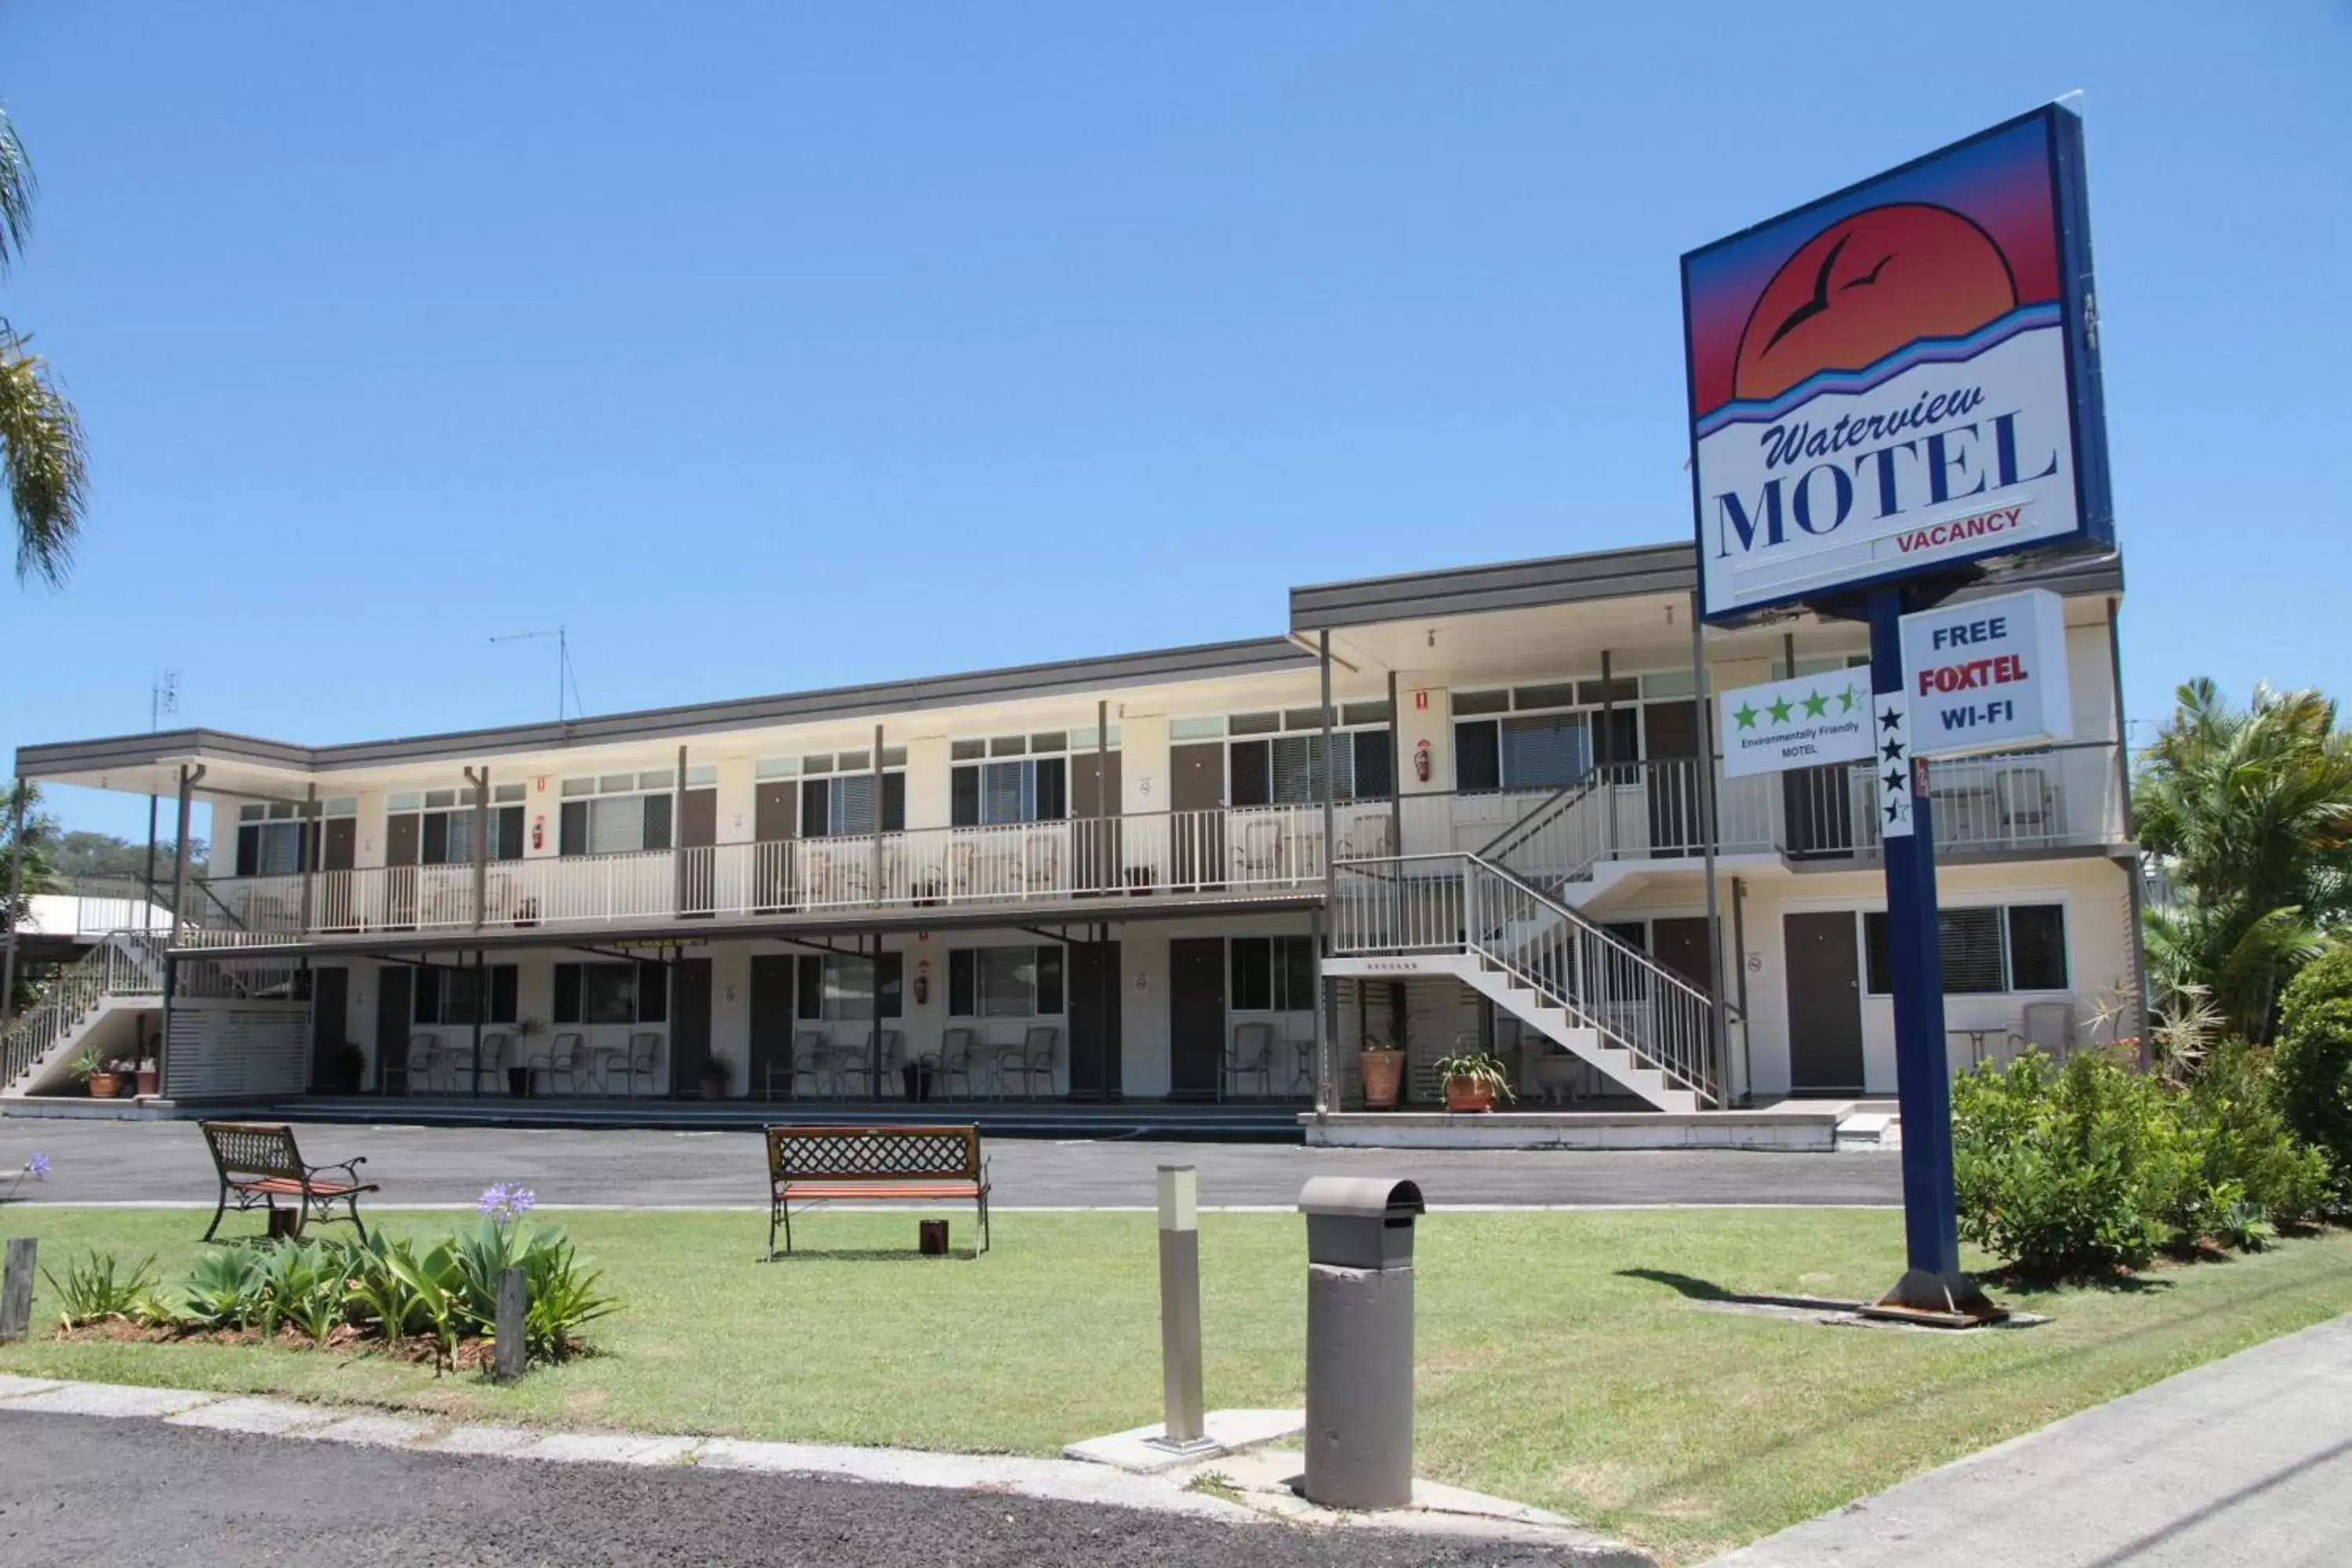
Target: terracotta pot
[147, 1076]
[1469, 1094]
[104, 1084]
[1384, 1074]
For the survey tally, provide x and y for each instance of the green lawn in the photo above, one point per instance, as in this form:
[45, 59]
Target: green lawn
[1546, 1372]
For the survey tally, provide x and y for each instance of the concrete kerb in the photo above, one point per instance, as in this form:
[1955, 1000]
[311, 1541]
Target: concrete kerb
[1257, 1495]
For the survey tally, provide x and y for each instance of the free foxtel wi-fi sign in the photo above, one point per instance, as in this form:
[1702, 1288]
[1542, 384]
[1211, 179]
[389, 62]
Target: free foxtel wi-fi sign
[1900, 378]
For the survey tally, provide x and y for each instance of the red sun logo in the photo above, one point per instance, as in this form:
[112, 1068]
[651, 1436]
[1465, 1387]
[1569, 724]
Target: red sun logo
[1865, 286]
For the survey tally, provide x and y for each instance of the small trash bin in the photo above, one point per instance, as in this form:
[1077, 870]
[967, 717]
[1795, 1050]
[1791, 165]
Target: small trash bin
[1359, 1339]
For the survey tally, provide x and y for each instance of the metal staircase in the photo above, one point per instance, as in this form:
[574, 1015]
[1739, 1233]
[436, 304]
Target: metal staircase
[1600, 999]
[124, 967]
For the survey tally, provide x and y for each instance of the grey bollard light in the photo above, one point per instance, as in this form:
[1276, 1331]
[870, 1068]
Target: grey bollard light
[1359, 1339]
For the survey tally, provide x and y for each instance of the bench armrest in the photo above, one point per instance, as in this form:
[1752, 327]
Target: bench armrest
[348, 1167]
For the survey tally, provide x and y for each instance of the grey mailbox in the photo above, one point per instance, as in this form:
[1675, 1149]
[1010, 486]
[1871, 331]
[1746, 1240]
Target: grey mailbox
[1359, 1339]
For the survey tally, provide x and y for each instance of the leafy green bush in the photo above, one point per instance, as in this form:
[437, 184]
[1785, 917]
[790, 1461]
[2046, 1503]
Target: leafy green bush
[96, 1287]
[2070, 1171]
[2235, 1116]
[2315, 1059]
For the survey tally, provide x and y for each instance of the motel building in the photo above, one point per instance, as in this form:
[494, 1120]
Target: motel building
[1460, 809]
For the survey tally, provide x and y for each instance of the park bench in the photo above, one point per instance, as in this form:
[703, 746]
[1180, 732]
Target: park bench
[872, 1164]
[259, 1164]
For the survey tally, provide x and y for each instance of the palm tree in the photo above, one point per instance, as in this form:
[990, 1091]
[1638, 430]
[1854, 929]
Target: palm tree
[41, 454]
[2251, 812]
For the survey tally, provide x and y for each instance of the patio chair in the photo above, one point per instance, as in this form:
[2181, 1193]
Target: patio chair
[2023, 798]
[815, 1059]
[634, 1062]
[1367, 838]
[957, 1046]
[1008, 1062]
[1258, 850]
[1037, 1058]
[465, 1067]
[424, 1060]
[1250, 1053]
[858, 1064]
[2047, 1027]
[566, 1058]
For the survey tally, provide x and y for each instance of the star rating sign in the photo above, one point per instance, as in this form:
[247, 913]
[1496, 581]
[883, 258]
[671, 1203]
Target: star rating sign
[1815, 704]
[1746, 714]
[1848, 698]
[1780, 710]
[1895, 779]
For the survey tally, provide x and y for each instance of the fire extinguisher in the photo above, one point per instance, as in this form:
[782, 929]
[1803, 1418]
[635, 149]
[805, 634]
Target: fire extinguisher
[1420, 761]
[922, 981]
[539, 831]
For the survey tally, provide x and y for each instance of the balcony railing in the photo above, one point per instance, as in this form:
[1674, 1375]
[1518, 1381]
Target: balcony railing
[2014, 803]
[1256, 849]
[2029, 801]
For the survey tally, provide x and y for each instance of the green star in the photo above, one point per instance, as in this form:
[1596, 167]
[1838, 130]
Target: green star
[1815, 705]
[1746, 714]
[1846, 698]
[1780, 711]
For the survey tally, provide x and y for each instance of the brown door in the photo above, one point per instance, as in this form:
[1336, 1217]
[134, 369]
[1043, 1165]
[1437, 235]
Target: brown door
[1196, 800]
[771, 1023]
[689, 1024]
[1196, 1016]
[1673, 784]
[698, 834]
[391, 998]
[1681, 945]
[330, 1003]
[1094, 1004]
[775, 821]
[340, 851]
[402, 840]
[1093, 806]
[1824, 1003]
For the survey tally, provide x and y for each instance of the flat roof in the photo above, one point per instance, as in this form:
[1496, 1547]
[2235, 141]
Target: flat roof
[1599, 574]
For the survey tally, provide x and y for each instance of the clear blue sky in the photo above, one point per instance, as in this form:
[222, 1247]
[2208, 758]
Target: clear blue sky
[777, 346]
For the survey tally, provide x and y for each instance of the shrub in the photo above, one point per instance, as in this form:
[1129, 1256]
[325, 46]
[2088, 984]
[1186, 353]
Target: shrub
[2073, 1170]
[2236, 1119]
[2315, 1059]
[96, 1287]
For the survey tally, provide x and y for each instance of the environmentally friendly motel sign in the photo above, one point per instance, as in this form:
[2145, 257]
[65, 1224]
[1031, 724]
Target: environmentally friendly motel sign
[1899, 378]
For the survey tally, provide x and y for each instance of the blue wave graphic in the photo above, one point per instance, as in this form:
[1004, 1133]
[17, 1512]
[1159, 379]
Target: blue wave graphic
[1922, 350]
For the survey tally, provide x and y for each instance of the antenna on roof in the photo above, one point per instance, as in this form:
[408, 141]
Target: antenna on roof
[565, 679]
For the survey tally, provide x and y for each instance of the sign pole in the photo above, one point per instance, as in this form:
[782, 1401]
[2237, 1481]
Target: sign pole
[1932, 1280]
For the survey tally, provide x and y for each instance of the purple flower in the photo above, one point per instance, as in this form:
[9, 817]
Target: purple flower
[506, 1202]
[37, 1167]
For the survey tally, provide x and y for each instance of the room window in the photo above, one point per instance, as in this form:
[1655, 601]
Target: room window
[614, 814]
[1986, 951]
[269, 835]
[838, 986]
[1535, 749]
[1272, 975]
[838, 792]
[1285, 768]
[448, 996]
[612, 993]
[1004, 982]
[1011, 778]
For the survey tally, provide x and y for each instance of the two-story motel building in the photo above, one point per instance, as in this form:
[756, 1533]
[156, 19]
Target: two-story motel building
[1133, 877]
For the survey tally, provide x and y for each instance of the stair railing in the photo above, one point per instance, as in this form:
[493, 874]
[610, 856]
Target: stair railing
[117, 967]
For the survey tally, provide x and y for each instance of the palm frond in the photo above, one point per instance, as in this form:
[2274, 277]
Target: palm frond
[17, 185]
[43, 462]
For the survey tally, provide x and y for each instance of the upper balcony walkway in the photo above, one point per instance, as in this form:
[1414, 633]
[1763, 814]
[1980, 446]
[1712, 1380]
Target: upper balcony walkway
[1648, 814]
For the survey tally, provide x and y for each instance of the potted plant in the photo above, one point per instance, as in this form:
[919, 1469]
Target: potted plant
[1382, 1067]
[148, 1073]
[96, 1075]
[526, 1030]
[714, 1079]
[1474, 1082]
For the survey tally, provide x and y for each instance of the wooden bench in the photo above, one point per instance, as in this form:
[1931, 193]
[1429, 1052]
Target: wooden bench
[259, 1164]
[872, 1164]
